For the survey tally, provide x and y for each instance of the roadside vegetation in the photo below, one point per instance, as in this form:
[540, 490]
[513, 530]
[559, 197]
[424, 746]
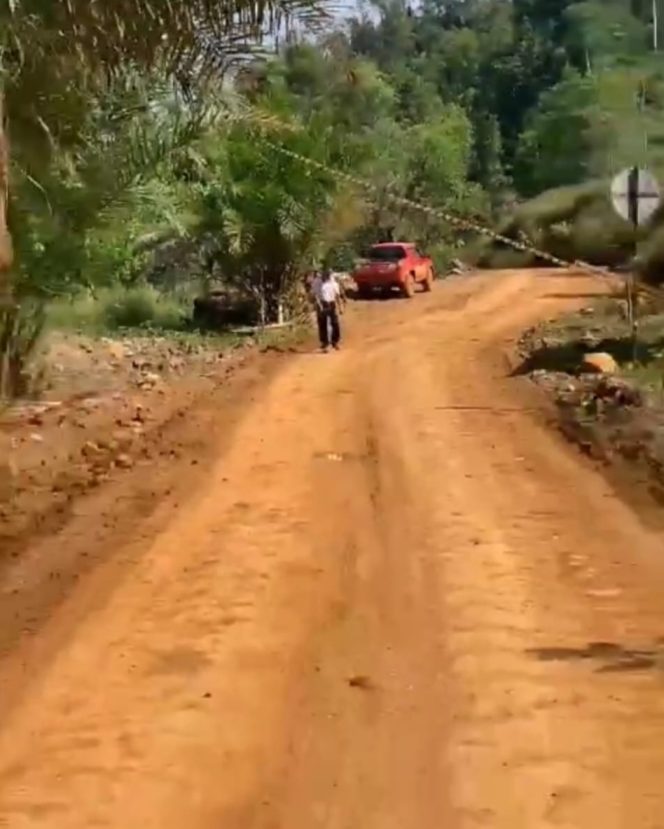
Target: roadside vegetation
[608, 390]
[158, 170]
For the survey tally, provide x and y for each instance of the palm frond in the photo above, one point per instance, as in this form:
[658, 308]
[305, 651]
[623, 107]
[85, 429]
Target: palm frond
[238, 235]
[190, 39]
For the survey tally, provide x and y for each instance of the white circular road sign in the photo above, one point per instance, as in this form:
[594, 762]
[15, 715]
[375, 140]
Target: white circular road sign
[635, 194]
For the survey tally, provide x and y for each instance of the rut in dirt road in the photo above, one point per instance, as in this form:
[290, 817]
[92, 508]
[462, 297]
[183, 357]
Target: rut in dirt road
[401, 601]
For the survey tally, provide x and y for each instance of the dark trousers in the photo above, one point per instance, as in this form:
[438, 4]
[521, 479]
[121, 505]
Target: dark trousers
[329, 331]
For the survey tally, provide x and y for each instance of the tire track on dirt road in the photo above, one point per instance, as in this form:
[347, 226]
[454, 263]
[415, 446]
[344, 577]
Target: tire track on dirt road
[512, 605]
[401, 601]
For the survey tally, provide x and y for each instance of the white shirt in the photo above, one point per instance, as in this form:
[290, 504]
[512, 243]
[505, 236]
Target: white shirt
[326, 290]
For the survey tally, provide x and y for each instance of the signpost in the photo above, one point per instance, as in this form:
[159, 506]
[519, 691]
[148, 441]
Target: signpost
[635, 195]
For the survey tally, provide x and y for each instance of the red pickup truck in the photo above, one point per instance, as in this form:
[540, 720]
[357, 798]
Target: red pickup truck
[394, 265]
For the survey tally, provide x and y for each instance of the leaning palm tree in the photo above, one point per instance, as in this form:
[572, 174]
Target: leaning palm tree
[54, 52]
[5, 239]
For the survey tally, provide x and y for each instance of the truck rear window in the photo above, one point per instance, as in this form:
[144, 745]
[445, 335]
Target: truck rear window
[389, 253]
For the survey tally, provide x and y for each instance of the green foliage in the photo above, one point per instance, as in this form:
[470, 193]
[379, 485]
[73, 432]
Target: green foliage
[566, 137]
[141, 307]
[650, 260]
[263, 211]
[99, 93]
[604, 33]
[137, 162]
[116, 308]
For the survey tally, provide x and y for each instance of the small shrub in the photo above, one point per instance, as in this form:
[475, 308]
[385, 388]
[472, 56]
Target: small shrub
[442, 255]
[80, 313]
[142, 307]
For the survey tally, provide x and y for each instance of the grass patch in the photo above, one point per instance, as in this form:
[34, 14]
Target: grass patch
[648, 376]
[114, 309]
[144, 311]
[143, 307]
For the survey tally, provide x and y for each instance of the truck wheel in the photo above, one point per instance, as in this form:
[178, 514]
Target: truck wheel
[408, 288]
[363, 292]
[427, 285]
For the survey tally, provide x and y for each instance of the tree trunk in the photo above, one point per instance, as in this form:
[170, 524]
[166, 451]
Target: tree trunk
[6, 254]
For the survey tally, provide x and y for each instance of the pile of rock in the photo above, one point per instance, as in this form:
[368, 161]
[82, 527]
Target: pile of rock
[618, 392]
[598, 362]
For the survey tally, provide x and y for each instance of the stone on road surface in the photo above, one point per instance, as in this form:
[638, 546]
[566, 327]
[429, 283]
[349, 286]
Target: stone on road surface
[400, 602]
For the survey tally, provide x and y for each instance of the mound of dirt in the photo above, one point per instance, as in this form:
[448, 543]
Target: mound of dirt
[105, 411]
[611, 407]
[73, 364]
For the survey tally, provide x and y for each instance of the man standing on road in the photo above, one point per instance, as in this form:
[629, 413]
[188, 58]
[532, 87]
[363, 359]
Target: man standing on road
[327, 297]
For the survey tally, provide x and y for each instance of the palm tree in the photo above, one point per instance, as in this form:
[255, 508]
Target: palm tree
[5, 240]
[51, 48]
[61, 63]
[265, 213]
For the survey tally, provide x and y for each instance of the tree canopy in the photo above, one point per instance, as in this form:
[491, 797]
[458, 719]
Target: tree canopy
[136, 126]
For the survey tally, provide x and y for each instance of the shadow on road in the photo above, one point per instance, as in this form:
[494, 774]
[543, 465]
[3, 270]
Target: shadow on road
[607, 657]
[377, 296]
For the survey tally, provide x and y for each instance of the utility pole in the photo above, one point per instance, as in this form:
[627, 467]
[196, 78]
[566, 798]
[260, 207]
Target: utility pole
[633, 211]
[655, 26]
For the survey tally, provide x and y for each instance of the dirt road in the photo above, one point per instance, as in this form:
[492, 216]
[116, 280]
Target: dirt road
[399, 601]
